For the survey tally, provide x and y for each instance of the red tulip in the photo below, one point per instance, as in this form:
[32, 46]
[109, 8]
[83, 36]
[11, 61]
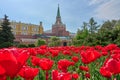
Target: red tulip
[35, 61]
[66, 52]
[98, 47]
[32, 51]
[12, 60]
[61, 76]
[84, 68]
[63, 64]
[55, 75]
[110, 47]
[113, 66]
[46, 64]
[89, 56]
[2, 70]
[54, 52]
[41, 51]
[105, 73]
[104, 53]
[3, 77]
[75, 58]
[75, 76]
[115, 51]
[28, 73]
[43, 47]
[7, 58]
[65, 76]
[75, 50]
[87, 75]
[115, 54]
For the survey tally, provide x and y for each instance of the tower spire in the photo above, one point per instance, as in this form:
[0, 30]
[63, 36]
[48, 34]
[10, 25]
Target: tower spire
[58, 11]
[58, 17]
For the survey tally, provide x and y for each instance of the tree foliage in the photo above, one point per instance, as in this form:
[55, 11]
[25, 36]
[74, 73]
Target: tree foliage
[80, 37]
[54, 41]
[40, 42]
[109, 32]
[6, 35]
[108, 25]
[93, 27]
[31, 45]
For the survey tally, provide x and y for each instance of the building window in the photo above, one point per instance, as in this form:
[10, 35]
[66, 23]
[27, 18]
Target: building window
[24, 33]
[34, 29]
[24, 28]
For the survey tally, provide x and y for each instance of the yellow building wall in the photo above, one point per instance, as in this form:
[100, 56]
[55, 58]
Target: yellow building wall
[18, 29]
[30, 29]
[40, 30]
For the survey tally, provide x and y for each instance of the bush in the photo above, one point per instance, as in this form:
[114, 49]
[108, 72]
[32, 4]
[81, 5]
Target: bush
[40, 42]
[6, 45]
[22, 46]
[54, 41]
[31, 45]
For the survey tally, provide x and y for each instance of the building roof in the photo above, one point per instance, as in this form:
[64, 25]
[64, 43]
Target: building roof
[48, 31]
[64, 38]
[58, 12]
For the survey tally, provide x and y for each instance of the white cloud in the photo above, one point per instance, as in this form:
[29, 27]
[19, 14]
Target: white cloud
[108, 10]
[93, 2]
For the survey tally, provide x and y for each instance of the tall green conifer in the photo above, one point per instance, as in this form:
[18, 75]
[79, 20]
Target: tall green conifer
[6, 35]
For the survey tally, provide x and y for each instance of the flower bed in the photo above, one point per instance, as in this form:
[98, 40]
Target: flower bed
[60, 63]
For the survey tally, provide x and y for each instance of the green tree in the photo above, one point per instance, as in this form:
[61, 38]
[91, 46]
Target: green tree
[90, 33]
[93, 27]
[84, 26]
[6, 35]
[117, 25]
[81, 35]
[40, 42]
[31, 45]
[108, 25]
[54, 41]
[78, 34]
[109, 32]
[22, 46]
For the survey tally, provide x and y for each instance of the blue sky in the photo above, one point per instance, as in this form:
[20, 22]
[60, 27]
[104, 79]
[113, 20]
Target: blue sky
[73, 12]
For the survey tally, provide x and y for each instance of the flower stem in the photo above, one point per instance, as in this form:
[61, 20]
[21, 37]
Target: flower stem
[46, 75]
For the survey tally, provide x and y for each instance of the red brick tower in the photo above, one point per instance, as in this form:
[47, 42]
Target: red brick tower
[59, 29]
